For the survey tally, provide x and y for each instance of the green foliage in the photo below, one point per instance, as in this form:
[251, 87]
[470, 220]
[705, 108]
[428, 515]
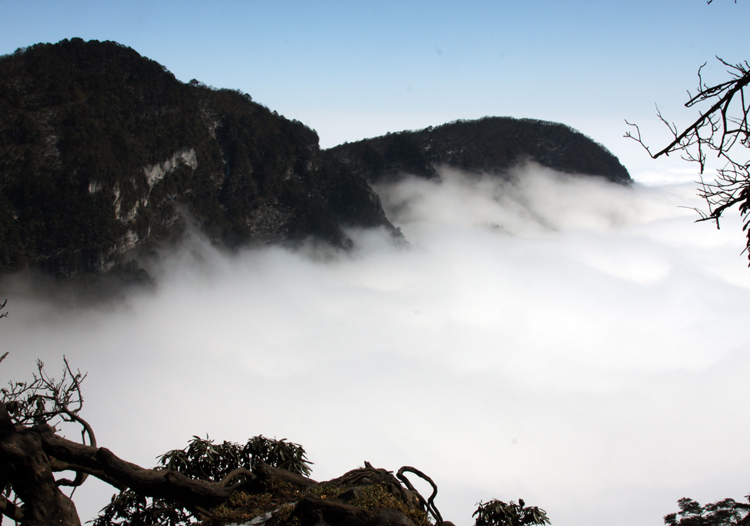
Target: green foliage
[130, 509]
[279, 453]
[726, 512]
[205, 460]
[201, 459]
[498, 513]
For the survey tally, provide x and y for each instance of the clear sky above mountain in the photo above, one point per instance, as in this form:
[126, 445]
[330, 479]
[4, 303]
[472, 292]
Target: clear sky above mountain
[358, 69]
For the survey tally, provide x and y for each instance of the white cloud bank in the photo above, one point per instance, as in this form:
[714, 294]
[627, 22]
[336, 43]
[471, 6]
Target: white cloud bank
[568, 341]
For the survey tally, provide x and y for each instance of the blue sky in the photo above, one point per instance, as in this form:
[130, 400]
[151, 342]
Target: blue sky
[359, 69]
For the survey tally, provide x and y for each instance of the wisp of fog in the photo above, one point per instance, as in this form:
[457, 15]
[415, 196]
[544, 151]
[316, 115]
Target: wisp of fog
[561, 339]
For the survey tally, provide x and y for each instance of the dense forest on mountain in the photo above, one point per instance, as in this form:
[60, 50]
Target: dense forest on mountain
[103, 151]
[490, 145]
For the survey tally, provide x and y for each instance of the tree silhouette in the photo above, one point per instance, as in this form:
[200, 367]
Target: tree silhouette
[207, 483]
[720, 132]
[726, 512]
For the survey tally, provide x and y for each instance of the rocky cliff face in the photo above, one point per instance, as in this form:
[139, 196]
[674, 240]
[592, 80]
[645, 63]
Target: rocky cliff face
[103, 150]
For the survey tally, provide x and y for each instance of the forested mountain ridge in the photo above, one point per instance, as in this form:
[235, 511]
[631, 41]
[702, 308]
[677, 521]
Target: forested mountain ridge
[490, 145]
[103, 150]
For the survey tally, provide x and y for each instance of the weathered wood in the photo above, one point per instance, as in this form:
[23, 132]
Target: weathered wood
[26, 466]
[160, 483]
[29, 456]
[264, 471]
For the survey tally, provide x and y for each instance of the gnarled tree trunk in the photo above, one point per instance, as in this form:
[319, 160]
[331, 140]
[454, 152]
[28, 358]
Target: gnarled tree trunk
[27, 467]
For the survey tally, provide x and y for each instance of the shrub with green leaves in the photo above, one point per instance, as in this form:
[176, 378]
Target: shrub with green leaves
[201, 459]
[205, 460]
[726, 512]
[131, 509]
[498, 513]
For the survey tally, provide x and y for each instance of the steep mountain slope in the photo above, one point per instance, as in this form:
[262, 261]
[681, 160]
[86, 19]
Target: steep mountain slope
[491, 144]
[102, 150]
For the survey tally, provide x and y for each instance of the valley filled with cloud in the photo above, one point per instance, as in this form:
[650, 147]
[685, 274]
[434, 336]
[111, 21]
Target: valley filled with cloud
[561, 339]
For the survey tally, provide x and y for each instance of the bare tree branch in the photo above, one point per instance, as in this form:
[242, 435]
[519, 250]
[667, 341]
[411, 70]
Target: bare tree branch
[721, 132]
[10, 510]
[429, 504]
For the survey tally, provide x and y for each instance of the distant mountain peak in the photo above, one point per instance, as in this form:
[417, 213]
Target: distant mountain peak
[489, 144]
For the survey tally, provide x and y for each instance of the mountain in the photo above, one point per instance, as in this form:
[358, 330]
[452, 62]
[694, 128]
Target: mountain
[103, 151]
[489, 145]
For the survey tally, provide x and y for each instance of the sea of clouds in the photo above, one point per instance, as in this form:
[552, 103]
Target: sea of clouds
[564, 340]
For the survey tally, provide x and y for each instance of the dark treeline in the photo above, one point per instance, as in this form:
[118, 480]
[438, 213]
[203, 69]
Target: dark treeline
[490, 145]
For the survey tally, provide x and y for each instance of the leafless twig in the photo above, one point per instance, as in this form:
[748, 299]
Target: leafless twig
[721, 131]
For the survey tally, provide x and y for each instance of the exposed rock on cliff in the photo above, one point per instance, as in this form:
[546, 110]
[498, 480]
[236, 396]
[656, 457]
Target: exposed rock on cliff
[102, 150]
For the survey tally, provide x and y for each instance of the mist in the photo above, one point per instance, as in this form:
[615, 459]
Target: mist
[561, 339]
